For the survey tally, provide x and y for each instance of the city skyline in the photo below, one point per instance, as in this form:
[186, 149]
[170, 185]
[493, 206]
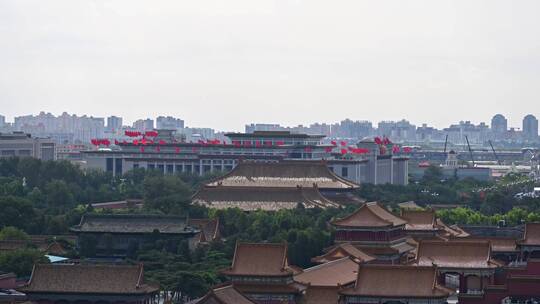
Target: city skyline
[241, 125]
[298, 62]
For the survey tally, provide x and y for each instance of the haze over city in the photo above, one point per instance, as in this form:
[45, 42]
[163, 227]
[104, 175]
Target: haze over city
[223, 65]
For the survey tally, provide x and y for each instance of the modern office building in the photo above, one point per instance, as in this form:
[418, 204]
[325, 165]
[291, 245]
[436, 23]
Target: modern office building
[114, 123]
[19, 144]
[530, 128]
[169, 123]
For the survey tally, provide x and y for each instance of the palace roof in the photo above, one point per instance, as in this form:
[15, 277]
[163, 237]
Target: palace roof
[455, 254]
[452, 231]
[370, 215]
[532, 235]
[259, 259]
[321, 295]
[133, 223]
[409, 205]
[498, 244]
[209, 228]
[334, 273]
[419, 220]
[343, 250]
[396, 281]
[283, 174]
[88, 279]
[224, 295]
[264, 198]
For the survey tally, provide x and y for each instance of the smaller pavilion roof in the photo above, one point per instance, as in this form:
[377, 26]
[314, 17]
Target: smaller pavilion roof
[498, 244]
[370, 215]
[133, 223]
[343, 250]
[224, 295]
[88, 279]
[420, 220]
[209, 228]
[396, 281]
[259, 259]
[455, 254]
[283, 174]
[321, 295]
[532, 235]
[335, 273]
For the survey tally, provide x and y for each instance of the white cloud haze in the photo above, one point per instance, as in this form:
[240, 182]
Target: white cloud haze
[224, 63]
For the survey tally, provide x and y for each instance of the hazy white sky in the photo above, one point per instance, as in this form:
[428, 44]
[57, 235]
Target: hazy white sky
[224, 63]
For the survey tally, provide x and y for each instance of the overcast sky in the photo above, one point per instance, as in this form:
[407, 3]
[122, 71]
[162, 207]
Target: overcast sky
[225, 63]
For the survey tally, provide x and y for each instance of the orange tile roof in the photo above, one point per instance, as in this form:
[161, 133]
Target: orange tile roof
[419, 219]
[209, 228]
[320, 295]
[455, 254]
[389, 281]
[343, 250]
[370, 215]
[259, 259]
[262, 198]
[283, 174]
[498, 244]
[532, 235]
[334, 273]
[224, 295]
[88, 279]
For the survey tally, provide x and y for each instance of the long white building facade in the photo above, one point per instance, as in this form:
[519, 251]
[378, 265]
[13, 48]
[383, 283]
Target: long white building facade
[164, 154]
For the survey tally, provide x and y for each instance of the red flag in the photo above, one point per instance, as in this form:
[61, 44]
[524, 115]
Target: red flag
[328, 149]
[142, 149]
[177, 150]
[94, 142]
[279, 143]
[162, 142]
[407, 149]
[343, 144]
[343, 151]
[135, 142]
[395, 149]
[378, 140]
[333, 142]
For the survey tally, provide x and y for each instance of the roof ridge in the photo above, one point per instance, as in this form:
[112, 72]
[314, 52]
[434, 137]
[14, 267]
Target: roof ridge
[313, 268]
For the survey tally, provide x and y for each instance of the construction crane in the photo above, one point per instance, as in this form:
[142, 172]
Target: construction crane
[470, 151]
[445, 142]
[495, 153]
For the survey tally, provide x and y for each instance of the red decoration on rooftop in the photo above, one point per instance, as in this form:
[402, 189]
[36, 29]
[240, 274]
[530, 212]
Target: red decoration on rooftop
[151, 133]
[378, 140]
[132, 133]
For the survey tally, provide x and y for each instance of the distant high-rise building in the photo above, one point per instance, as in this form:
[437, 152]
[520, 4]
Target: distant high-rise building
[263, 127]
[530, 127]
[169, 123]
[144, 124]
[499, 124]
[2, 121]
[114, 123]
